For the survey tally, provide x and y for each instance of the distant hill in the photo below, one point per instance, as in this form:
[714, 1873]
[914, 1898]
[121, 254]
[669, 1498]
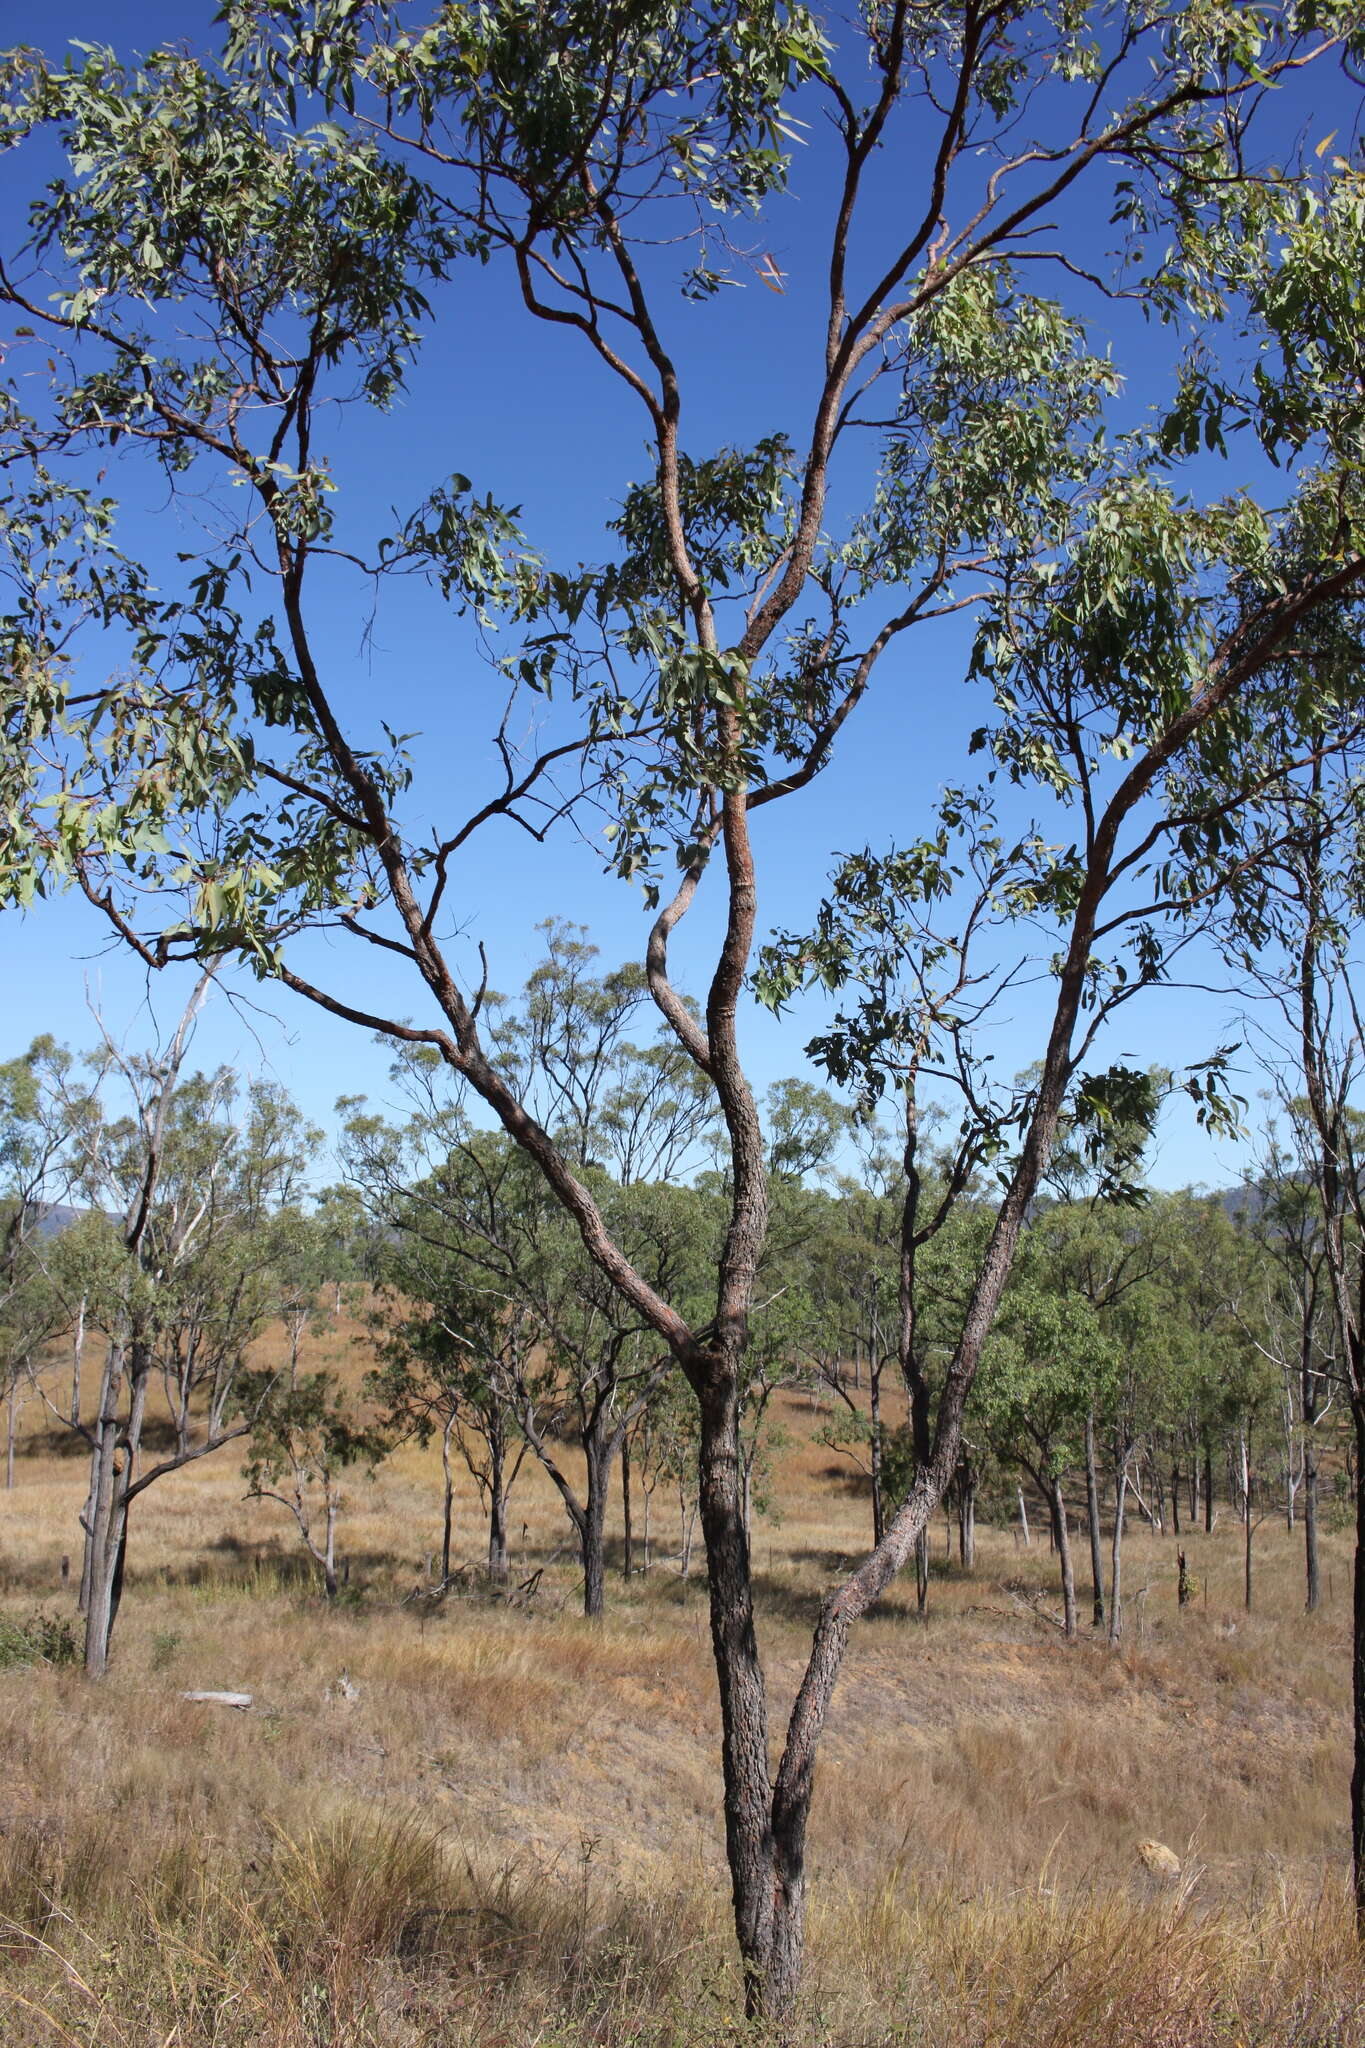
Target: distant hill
[57, 1217]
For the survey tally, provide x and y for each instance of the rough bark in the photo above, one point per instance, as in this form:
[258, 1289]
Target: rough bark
[1092, 1513]
[1358, 1671]
[497, 1505]
[592, 1538]
[743, 1695]
[1116, 1558]
[447, 1497]
[1310, 1523]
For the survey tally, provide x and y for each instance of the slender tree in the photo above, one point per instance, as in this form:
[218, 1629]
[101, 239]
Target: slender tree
[242, 241]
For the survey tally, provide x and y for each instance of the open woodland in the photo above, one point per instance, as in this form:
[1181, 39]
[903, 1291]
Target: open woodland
[877, 492]
[504, 1831]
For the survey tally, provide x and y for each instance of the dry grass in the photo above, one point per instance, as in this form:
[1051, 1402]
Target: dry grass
[511, 1833]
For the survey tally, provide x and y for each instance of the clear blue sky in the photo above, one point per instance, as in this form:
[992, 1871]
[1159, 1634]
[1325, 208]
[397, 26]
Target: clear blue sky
[543, 426]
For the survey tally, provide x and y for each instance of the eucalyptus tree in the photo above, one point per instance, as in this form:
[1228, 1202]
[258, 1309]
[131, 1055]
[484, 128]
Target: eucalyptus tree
[483, 1267]
[184, 1179]
[449, 1366]
[243, 241]
[42, 1105]
[303, 1438]
[1038, 1383]
[1291, 1317]
[1291, 928]
[1120, 1249]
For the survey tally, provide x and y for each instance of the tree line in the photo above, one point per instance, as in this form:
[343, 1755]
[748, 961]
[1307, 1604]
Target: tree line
[1154, 1354]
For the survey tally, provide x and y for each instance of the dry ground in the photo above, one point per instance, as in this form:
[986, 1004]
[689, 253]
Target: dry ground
[510, 1833]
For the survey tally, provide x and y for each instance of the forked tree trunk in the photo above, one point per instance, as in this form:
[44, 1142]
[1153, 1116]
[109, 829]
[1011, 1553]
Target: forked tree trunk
[1092, 1515]
[766, 1839]
[112, 1462]
[111, 1383]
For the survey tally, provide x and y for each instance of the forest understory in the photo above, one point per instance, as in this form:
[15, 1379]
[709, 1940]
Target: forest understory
[479, 1819]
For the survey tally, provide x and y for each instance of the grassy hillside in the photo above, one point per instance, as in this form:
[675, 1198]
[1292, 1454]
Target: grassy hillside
[477, 1821]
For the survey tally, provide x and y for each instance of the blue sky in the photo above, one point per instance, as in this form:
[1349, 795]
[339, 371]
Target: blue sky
[502, 400]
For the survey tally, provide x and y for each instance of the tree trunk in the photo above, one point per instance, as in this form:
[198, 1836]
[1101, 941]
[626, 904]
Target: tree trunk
[1358, 1670]
[1092, 1514]
[497, 1506]
[497, 1529]
[1063, 1539]
[687, 1515]
[1175, 1500]
[1023, 1519]
[628, 1547]
[1116, 1558]
[110, 1477]
[966, 1515]
[1245, 1475]
[447, 1498]
[1310, 1520]
[11, 1423]
[592, 1535]
[922, 1571]
[329, 1554]
[875, 1454]
[1208, 1487]
[743, 1695]
[77, 1359]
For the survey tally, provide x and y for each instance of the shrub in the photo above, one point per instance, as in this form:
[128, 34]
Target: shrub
[42, 1639]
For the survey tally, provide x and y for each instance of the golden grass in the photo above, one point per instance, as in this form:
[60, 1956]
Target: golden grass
[511, 1833]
